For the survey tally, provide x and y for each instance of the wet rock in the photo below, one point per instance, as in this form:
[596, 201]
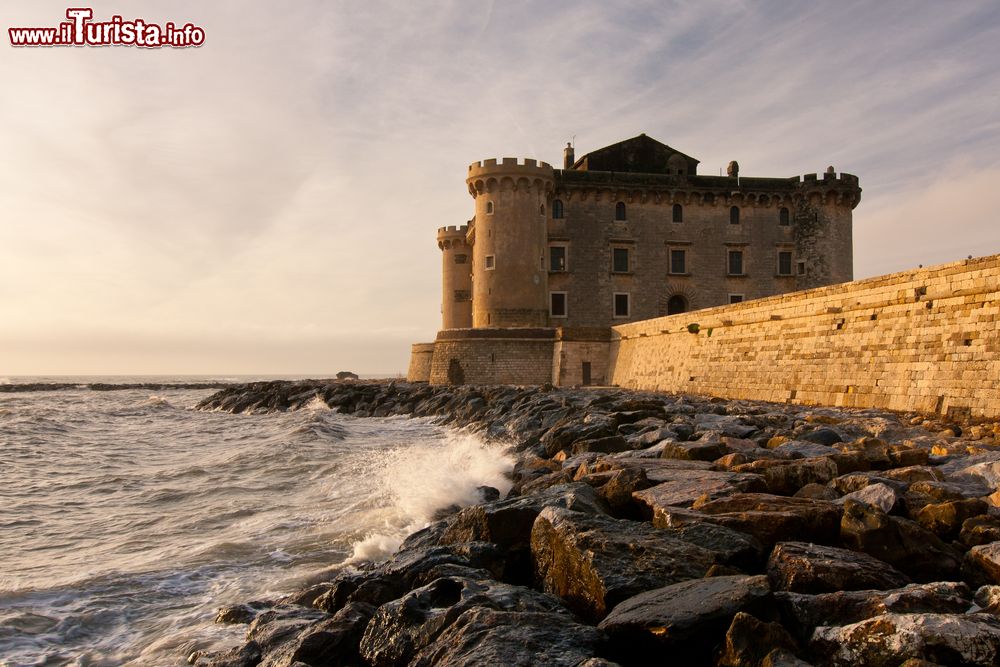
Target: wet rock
[890, 639]
[401, 628]
[237, 614]
[802, 613]
[278, 625]
[483, 636]
[331, 641]
[983, 563]
[749, 640]
[811, 568]
[980, 530]
[246, 655]
[606, 445]
[945, 519]
[684, 621]
[686, 486]
[902, 543]
[594, 562]
[785, 477]
[731, 547]
[769, 518]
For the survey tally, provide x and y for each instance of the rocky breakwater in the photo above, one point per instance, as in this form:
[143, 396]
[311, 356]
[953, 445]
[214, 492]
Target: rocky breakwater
[645, 528]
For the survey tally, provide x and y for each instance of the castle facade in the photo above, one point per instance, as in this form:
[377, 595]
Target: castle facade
[625, 233]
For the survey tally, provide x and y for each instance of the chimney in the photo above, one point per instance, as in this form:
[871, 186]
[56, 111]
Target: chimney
[568, 156]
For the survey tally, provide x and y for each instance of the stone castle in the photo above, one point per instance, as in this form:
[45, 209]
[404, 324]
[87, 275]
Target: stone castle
[553, 258]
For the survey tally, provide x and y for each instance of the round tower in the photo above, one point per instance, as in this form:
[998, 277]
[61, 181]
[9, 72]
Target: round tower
[509, 276]
[456, 277]
[823, 230]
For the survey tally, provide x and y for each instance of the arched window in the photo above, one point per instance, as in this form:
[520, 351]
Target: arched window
[557, 209]
[678, 213]
[734, 215]
[784, 219]
[489, 208]
[620, 211]
[677, 304]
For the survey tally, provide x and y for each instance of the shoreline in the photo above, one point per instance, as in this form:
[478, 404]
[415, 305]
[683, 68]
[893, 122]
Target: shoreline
[725, 532]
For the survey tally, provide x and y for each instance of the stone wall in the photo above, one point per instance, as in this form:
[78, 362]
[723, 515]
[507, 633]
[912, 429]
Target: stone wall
[924, 340]
[493, 356]
[421, 355]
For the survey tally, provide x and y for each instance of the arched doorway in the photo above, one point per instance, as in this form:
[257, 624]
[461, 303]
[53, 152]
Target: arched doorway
[677, 304]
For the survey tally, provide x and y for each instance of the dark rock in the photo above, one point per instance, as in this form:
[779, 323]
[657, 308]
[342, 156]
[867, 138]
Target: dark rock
[401, 628]
[280, 624]
[980, 530]
[698, 450]
[803, 613]
[333, 641]
[945, 519]
[982, 563]
[686, 486]
[237, 614]
[607, 445]
[246, 655]
[799, 449]
[987, 598]
[519, 639]
[822, 436]
[487, 493]
[684, 621]
[771, 519]
[811, 568]
[785, 477]
[594, 562]
[730, 547]
[890, 639]
[904, 544]
[749, 640]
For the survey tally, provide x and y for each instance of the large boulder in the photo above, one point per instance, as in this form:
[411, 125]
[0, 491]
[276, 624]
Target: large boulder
[749, 641]
[890, 639]
[331, 641]
[770, 519]
[681, 488]
[982, 563]
[945, 519]
[785, 477]
[684, 621]
[811, 568]
[595, 562]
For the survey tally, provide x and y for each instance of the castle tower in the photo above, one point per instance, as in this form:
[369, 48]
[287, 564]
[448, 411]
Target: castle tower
[509, 276]
[456, 274]
[824, 245]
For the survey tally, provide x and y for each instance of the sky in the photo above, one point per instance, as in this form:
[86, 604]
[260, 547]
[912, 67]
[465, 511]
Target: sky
[267, 203]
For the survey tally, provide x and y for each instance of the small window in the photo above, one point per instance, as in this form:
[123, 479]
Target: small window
[620, 211]
[784, 263]
[734, 215]
[462, 295]
[489, 208]
[621, 305]
[557, 304]
[541, 209]
[678, 261]
[784, 218]
[557, 209]
[676, 304]
[461, 259]
[491, 262]
[736, 262]
[800, 267]
[735, 298]
[678, 214]
[557, 258]
[619, 260]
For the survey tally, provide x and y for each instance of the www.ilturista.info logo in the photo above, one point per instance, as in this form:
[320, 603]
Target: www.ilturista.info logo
[81, 31]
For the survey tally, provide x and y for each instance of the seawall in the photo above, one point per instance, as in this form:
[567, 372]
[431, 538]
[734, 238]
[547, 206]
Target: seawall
[924, 340]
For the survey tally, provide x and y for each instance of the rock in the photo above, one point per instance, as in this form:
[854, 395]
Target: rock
[941, 492]
[770, 519]
[725, 424]
[945, 519]
[687, 486]
[730, 547]
[904, 544]
[332, 641]
[684, 621]
[490, 637]
[980, 530]
[982, 562]
[699, 450]
[618, 491]
[274, 627]
[802, 613]
[879, 495]
[750, 640]
[987, 598]
[607, 445]
[822, 436]
[237, 614]
[594, 562]
[815, 491]
[812, 568]
[912, 474]
[782, 658]
[785, 477]
[803, 449]
[890, 639]
[403, 627]
[246, 655]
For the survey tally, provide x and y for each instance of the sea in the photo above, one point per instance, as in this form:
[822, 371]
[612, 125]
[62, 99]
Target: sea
[127, 518]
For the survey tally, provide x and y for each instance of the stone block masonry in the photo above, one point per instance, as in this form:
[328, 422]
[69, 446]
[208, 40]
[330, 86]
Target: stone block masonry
[924, 340]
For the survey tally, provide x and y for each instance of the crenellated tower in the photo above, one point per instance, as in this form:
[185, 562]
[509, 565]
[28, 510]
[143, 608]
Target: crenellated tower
[509, 236]
[456, 277]
[824, 244]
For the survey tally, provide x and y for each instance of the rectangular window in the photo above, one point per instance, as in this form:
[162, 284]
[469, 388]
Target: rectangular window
[736, 262]
[784, 263]
[678, 261]
[461, 259]
[557, 304]
[735, 298]
[621, 305]
[463, 295]
[800, 267]
[491, 262]
[557, 258]
[619, 260]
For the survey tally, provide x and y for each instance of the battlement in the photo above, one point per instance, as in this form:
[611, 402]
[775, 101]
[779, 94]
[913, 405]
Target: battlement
[842, 179]
[510, 166]
[452, 231]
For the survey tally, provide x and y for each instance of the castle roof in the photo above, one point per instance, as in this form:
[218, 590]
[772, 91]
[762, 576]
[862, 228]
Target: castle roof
[641, 154]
